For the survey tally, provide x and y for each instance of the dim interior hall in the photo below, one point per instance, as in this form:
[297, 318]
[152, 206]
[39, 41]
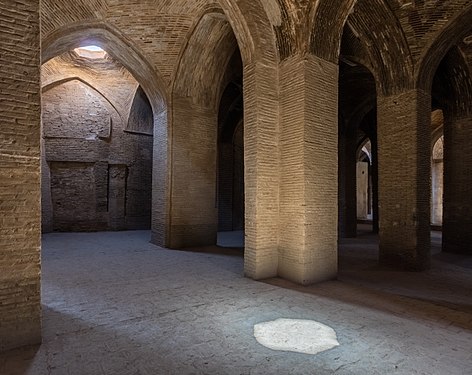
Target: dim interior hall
[222, 186]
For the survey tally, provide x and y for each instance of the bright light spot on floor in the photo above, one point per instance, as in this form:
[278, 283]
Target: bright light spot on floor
[91, 52]
[296, 335]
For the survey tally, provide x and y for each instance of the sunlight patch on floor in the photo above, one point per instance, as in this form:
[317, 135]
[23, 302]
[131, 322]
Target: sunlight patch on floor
[296, 335]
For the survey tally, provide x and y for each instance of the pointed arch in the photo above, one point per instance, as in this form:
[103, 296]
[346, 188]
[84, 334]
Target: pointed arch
[253, 24]
[457, 28]
[452, 83]
[111, 40]
[62, 81]
[328, 20]
[374, 22]
[200, 70]
[123, 50]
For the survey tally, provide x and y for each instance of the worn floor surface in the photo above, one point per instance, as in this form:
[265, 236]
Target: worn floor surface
[115, 304]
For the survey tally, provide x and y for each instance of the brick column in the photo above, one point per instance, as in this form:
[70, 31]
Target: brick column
[457, 205]
[46, 198]
[347, 182]
[161, 160]
[404, 149]
[261, 164]
[225, 186]
[375, 184]
[20, 211]
[194, 215]
[309, 170]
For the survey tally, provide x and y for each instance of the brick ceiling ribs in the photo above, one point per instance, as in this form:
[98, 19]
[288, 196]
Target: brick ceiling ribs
[203, 63]
[402, 42]
[452, 85]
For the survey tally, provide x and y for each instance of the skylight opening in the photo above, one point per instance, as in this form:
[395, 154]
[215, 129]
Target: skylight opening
[91, 52]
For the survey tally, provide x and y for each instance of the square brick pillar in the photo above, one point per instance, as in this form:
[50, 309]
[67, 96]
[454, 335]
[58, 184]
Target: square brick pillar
[20, 193]
[193, 215]
[404, 154]
[261, 164]
[160, 213]
[347, 182]
[309, 170]
[457, 204]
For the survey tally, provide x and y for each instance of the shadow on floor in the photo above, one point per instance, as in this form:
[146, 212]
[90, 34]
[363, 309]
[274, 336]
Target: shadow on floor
[442, 294]
[18, 361]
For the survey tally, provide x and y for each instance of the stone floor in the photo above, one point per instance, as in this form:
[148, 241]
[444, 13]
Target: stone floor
[115, 304]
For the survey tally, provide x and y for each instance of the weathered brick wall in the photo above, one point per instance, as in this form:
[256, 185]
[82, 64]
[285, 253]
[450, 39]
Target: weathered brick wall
[74, 197]
[20, 307]
[95, 119]
[117, 177]
[75, 110]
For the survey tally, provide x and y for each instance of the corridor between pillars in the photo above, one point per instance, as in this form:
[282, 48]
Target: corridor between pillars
[404, 179]
[309, 170]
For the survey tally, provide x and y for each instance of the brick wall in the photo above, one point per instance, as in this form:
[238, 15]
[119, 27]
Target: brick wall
[75, 110]
[87, 136]
[20, 307]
